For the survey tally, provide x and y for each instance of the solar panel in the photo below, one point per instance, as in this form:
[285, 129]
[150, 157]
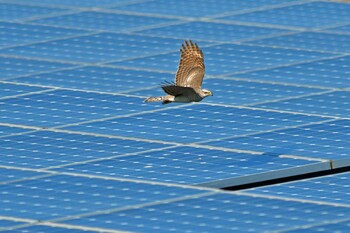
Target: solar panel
[81, 152]
[331, 189]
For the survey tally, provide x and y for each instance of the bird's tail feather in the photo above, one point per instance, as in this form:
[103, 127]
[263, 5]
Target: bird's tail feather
[155, 99]
[163, 99]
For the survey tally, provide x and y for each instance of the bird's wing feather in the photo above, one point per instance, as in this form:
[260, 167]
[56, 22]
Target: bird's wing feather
[179, 91]
[191, 66]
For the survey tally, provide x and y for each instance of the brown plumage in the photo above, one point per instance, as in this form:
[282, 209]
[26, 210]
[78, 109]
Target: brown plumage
[189, 78]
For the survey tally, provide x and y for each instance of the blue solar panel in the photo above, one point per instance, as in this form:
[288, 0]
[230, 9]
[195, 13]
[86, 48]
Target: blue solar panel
[318, 73]
[221, 32]
[315, 41]
[334, 104]
[11, 175]
[49, 149]
[330, 189]
[102, 47]
[44, 229]
[4, 223]
[217, 213]
[12, 67]
[316, 14]
[327, 140]
[59, 196]
[18, 33]
[229, 58]
[187, 127]
[200, 166]
[203, 8]
[81, 152]
[76, 3]
[103, 21]
[9, 90]
[10, 11]
[341, 29]
[97, 78]
[8, 130]
[45, 110]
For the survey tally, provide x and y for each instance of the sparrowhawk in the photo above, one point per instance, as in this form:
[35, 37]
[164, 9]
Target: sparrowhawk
[189, 77]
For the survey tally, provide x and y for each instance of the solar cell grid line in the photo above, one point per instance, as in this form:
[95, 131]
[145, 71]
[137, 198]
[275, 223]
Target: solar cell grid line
[75, 4]
[45, 149]
[229, 58]
[100, 47]
[224, 121]
[333, 103]
[61, 196]
[310, 15]
[307, 73]
[80, 151]
[327, 140]
[99, 78]
[208, 167]
[13, 67]
[247, 214]
[204, 8]
[79, 106]
[12, 11]
[314, 41]
[330, 188]
[9, 90]
[24, 33]
[212, 31]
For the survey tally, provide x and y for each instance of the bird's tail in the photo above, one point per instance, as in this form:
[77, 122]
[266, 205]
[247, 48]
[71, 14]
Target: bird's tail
[163, 99]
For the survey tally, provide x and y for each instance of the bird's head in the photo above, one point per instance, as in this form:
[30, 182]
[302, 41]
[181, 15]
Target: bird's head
[207, 93]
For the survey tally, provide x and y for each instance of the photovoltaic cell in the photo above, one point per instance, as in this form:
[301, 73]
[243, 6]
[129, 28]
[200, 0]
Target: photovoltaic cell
[190, 165]
[76, 3]
[318, 73]
[43, 229]
[10, 175]
[334, 104]
[81, 152]
[9, 130]
[229, 58]
[10, 11]
[8, 223]
[100, 47]
[60, 196]
[210, 214]
[203, 8]
[321, 140]
[330, 189]
[308, 15]
[46, 149]
[221, 32]
[341, 29]
[17, 89]
[315, 41]
[103, 21]
[97, 78]
[187, 127]
[13, 34]
[45, 110]
[12, 67]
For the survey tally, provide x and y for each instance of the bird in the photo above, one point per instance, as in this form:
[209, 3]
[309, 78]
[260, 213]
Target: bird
[188, 80]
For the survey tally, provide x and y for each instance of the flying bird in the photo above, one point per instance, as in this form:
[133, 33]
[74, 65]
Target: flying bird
[188, 81]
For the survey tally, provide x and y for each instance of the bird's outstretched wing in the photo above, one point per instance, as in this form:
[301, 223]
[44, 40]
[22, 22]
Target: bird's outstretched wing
[172, 89]
[191, 66]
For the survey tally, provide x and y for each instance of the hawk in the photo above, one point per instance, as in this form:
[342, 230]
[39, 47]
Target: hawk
[188, 81]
